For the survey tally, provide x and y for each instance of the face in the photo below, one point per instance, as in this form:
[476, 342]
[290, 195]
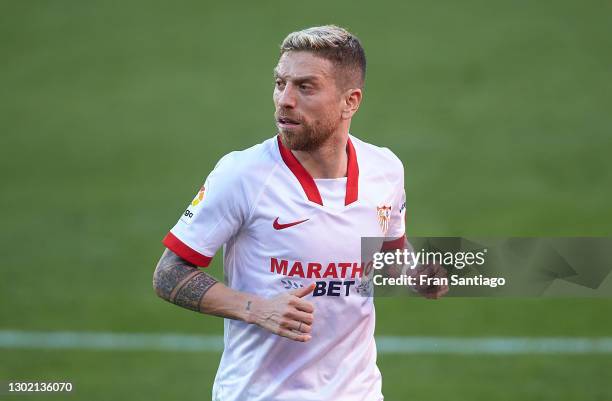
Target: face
[308, 104]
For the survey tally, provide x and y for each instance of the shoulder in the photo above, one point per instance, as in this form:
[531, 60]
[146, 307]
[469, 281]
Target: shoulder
[378, 159]
[247, 163]
[238, 177]
[241, 174]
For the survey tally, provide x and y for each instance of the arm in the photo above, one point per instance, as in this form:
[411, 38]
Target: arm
[183, 284]
[430, 271]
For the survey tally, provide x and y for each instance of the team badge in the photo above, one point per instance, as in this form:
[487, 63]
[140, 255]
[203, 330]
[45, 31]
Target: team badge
[199, 197]
[384, 215]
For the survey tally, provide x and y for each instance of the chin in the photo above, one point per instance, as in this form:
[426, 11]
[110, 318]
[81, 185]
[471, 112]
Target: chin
[289, 136]
[291, 139]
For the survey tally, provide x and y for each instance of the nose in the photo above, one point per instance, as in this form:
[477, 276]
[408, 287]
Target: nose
[286, 97]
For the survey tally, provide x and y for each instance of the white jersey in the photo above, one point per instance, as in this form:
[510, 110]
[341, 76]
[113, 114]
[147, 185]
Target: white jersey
[282, 229]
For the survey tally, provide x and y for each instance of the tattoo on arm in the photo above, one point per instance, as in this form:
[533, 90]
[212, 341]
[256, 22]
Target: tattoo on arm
[180, 282]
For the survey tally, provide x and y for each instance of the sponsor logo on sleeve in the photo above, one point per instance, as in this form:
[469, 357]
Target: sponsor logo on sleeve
[199, 197]
[192, 209]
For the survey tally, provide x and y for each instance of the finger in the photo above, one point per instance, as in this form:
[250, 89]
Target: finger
[297, 326]
[443, 291]
[300, 316]
[302, 305]
[436, 270]
[441, 272]
[425, 271]
[303, 291]
[292, 335]
[420, 269]
[430, 266]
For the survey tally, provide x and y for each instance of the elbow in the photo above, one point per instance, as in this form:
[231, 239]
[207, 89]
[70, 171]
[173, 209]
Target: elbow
[155, 282]
[168, 273]
[158, 286]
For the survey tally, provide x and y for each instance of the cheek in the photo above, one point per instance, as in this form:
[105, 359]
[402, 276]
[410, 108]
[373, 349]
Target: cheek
[331, 110]
[320, 106]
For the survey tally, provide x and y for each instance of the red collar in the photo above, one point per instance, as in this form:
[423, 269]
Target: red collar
[308, 183]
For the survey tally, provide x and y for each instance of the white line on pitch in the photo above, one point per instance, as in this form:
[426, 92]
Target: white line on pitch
[14, 339]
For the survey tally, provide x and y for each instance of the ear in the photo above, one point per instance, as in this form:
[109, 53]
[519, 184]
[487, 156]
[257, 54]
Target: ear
[351, 100]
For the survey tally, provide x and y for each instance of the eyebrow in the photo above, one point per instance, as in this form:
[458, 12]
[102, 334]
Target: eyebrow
[303, 78]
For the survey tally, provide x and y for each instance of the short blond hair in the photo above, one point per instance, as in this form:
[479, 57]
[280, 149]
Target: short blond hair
[333, 43]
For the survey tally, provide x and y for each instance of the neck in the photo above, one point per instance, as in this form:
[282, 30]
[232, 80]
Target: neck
[329, 161]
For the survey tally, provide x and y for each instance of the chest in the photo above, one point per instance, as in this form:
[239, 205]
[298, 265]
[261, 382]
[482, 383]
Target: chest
[287, 225]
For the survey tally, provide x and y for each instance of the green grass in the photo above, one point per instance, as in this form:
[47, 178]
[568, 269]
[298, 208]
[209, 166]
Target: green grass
[113, 113]
[164, 376]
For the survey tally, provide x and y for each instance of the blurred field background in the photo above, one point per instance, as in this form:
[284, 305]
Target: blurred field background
[112, 114]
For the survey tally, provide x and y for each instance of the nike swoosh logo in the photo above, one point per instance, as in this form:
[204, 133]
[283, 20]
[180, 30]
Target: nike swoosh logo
[279, 226]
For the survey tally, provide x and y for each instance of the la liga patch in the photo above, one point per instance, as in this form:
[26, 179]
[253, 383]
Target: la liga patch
[193, 208]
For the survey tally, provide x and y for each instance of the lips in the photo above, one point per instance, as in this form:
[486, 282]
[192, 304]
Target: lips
[287, 121]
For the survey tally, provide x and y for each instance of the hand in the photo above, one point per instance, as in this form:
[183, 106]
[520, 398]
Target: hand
[434, 271]
[286, 315]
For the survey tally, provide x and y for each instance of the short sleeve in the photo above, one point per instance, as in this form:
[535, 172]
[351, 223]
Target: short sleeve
[395, 237]
[215, 215]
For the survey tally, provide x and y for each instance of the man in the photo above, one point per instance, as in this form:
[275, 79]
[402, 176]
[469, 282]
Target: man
[290, 213]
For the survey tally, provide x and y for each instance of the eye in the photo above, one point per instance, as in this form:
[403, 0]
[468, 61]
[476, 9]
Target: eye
[279, 83]
[305, 87]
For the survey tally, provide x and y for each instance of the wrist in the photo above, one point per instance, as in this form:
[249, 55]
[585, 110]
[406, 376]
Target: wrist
[252, 309]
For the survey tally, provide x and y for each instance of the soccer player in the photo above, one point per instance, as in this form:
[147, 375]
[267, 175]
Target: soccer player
[290, 213]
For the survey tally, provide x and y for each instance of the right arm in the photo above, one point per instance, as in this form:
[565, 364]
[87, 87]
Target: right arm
[183, 284]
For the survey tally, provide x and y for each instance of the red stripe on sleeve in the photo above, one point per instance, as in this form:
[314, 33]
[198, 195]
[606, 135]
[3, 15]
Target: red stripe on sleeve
[177, 246]
[394, 244]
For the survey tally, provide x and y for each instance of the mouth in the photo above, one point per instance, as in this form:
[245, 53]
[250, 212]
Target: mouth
[285, 122]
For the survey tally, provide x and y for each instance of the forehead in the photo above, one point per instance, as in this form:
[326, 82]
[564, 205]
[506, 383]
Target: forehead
[296, 64]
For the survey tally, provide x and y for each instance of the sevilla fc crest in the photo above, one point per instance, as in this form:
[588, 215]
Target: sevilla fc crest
[384, 215]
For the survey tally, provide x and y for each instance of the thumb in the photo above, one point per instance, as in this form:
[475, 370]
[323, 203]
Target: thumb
[302, 292]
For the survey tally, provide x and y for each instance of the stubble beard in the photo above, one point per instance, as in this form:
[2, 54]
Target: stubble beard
[309, 137]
